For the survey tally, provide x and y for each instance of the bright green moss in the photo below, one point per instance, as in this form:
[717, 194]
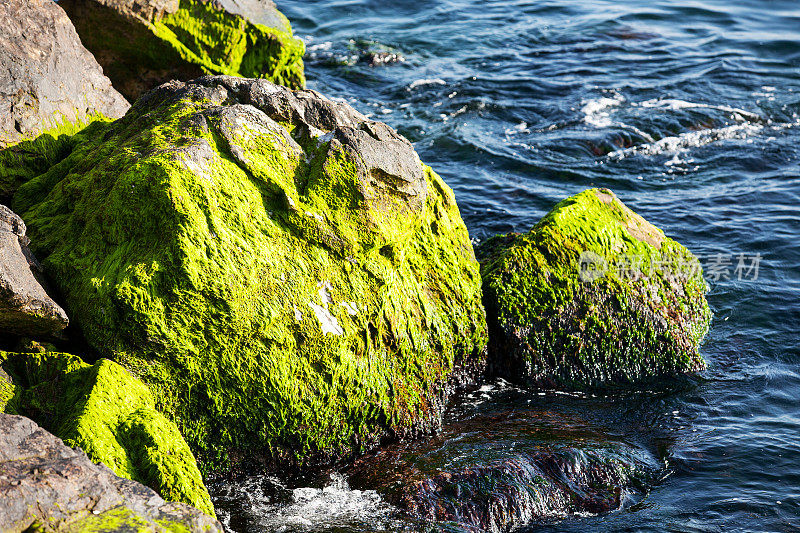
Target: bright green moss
[554, 327]
[121, 519]
[111, 521]
[9, 393]
[111, 415]
[25, 159]
[270, 307]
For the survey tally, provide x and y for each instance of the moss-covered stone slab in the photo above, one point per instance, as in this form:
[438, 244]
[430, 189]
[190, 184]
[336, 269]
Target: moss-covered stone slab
[287, 276]
[48, 77]
[48, 486]
[143, 43]
[110, 415]
[592, 295]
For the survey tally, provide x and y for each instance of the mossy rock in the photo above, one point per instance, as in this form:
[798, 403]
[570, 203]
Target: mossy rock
[145, 43]
[593, 295]
[287, 276]
[108, 413]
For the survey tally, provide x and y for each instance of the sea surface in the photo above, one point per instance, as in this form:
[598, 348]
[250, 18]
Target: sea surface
[688, 110]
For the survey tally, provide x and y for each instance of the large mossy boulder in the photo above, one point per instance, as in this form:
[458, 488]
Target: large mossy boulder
[48, 486]
[592, 295]
[109, 414]
[143, 43]
[287, 276]
[48, 82]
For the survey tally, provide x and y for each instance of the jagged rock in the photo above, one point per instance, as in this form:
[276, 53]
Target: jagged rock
[25, 307]
[592, 295]
[110, 415]
[282, 272]
[49, 80]
[143, 43]
[45, 485]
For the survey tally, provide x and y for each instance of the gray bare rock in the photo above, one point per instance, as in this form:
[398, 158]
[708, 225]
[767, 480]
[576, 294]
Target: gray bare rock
[25, 307]
[45, 484]
[48, 77]
[257, 11]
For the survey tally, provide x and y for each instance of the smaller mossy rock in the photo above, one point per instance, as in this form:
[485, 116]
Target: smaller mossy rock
[48, 486]
[111, 415]
[49, 81]
[143, 43]
[593, 295]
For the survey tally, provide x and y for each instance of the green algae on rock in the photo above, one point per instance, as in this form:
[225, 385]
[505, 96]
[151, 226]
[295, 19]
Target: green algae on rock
[27, 158]
[111, 415]
[143, 43]
[9, 393]
[287, 276]
[592, 295]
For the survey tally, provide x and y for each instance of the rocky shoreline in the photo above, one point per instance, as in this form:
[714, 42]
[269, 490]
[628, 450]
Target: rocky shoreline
[236, 272]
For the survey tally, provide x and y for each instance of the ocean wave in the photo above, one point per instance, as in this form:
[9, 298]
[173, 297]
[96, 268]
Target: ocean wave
[737, 114]
[689, 139]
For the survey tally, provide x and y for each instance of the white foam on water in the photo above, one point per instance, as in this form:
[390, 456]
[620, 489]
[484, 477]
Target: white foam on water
[426, 81]
[689, 139]
[327, 45]
[596, 111]
[522, 127]
[740, 115]
[311, 509]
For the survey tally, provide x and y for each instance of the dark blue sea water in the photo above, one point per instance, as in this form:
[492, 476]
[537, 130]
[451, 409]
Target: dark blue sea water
[688, 110]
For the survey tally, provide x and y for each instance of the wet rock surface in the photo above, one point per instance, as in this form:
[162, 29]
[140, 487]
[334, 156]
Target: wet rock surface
[45, 484]
[144, 43]
[48, 76]
[25, 307]
[499, 467]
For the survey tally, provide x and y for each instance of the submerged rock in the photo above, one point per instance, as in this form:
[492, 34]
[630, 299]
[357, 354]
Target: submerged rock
[592, 295]
[287, 276]
[47, 486]
[109, 414]
[49, 80]
[499, 495]
[506, 464]
[143, 43]
[25, 307]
